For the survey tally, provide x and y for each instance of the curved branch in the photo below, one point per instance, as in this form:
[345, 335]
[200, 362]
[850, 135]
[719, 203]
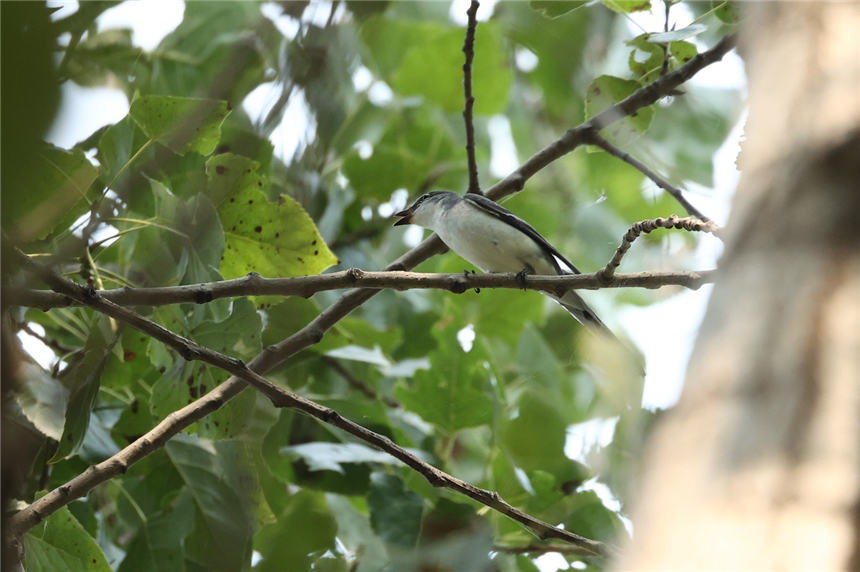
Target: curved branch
[313, 332]
[607, 273]
[305, 286]
[191, 351]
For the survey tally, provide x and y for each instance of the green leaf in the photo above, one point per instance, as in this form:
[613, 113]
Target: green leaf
[405, 156]
[61, 544]
[158, 545]
[84, 381]
[562, 390]
[535, 438]
[329, 456]
[355, 532]
[434, 69]
[273, 239]
[385, 39]
[183, 382]
[553, 9]
[683, 51]
[677, 35]
[55, 193]
[590, 518]
[627, 6]
[607, 90]
[646, 68]
[395, 511]
[225, 528]
[305, 529]
[42, 400]
[182, 124]
[455, 392]
[727, 11]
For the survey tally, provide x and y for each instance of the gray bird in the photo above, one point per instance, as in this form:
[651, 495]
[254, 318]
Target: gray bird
[496, 240]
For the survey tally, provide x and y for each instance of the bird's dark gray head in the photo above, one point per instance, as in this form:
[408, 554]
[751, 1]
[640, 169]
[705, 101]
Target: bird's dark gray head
[426, 206]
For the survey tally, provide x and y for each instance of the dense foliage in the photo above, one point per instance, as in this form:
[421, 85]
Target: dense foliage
[188, 188]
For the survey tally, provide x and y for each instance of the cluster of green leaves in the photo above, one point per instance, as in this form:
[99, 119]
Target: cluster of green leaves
[190, 190]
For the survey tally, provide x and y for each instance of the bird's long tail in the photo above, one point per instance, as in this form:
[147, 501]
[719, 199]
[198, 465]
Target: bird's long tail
[573, 303]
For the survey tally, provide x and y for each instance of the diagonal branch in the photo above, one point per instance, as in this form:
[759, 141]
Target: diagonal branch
[305, 286]
[469, 51]
[190, 350]
[580, 135]
[313, 332]
[607, 273]
[597, 139]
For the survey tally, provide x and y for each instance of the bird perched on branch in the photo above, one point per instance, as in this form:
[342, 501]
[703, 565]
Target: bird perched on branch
[496, 240]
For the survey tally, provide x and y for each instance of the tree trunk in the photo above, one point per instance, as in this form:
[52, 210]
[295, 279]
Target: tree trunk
[758, 467]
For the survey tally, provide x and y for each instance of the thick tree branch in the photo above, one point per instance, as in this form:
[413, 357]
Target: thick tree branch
[306, 286]
[469, 51]
[313, 332]
[190, 350]
[607, 273]
[596, 139]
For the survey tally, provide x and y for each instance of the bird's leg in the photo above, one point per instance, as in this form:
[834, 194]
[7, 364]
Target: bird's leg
[521, 277]
[466, 272]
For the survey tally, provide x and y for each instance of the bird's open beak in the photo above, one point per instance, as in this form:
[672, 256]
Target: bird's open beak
[407, 217]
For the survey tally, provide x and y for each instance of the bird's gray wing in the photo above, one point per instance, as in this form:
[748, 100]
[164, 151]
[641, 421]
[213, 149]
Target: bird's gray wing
[510, 218]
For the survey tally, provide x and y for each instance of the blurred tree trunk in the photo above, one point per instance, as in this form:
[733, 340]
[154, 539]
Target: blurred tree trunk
[758, 468]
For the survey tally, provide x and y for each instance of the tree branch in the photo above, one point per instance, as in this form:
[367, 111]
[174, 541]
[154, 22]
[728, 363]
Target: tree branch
[577, 136]
[305, 286]
[313, 332]
[596, 139]
[469, 51]
[607, 273]
[536, 548]
[190, 350]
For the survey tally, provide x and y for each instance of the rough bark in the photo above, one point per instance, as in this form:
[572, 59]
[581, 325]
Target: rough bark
[758, 467]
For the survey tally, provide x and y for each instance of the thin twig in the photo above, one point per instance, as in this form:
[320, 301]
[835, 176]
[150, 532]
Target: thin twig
[313, 332]
[255, 285]
[469, 51]
[607, 273]
[358, 384]
[535, 548]
[190, 350]
[596, 139]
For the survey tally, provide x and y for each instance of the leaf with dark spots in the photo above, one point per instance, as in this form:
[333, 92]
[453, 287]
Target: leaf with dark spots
[270, 239]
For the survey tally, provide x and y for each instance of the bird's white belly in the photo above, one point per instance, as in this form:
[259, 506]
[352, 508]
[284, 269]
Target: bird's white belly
[491, 244]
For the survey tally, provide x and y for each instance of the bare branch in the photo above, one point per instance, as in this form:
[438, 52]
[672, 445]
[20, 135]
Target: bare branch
[596, 139]
[607, 273]
[469, 51]
[313, 332]
[305, 286]
[190, 350]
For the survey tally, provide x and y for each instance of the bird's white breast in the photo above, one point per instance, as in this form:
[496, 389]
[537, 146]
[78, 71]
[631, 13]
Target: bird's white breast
[489, 243]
